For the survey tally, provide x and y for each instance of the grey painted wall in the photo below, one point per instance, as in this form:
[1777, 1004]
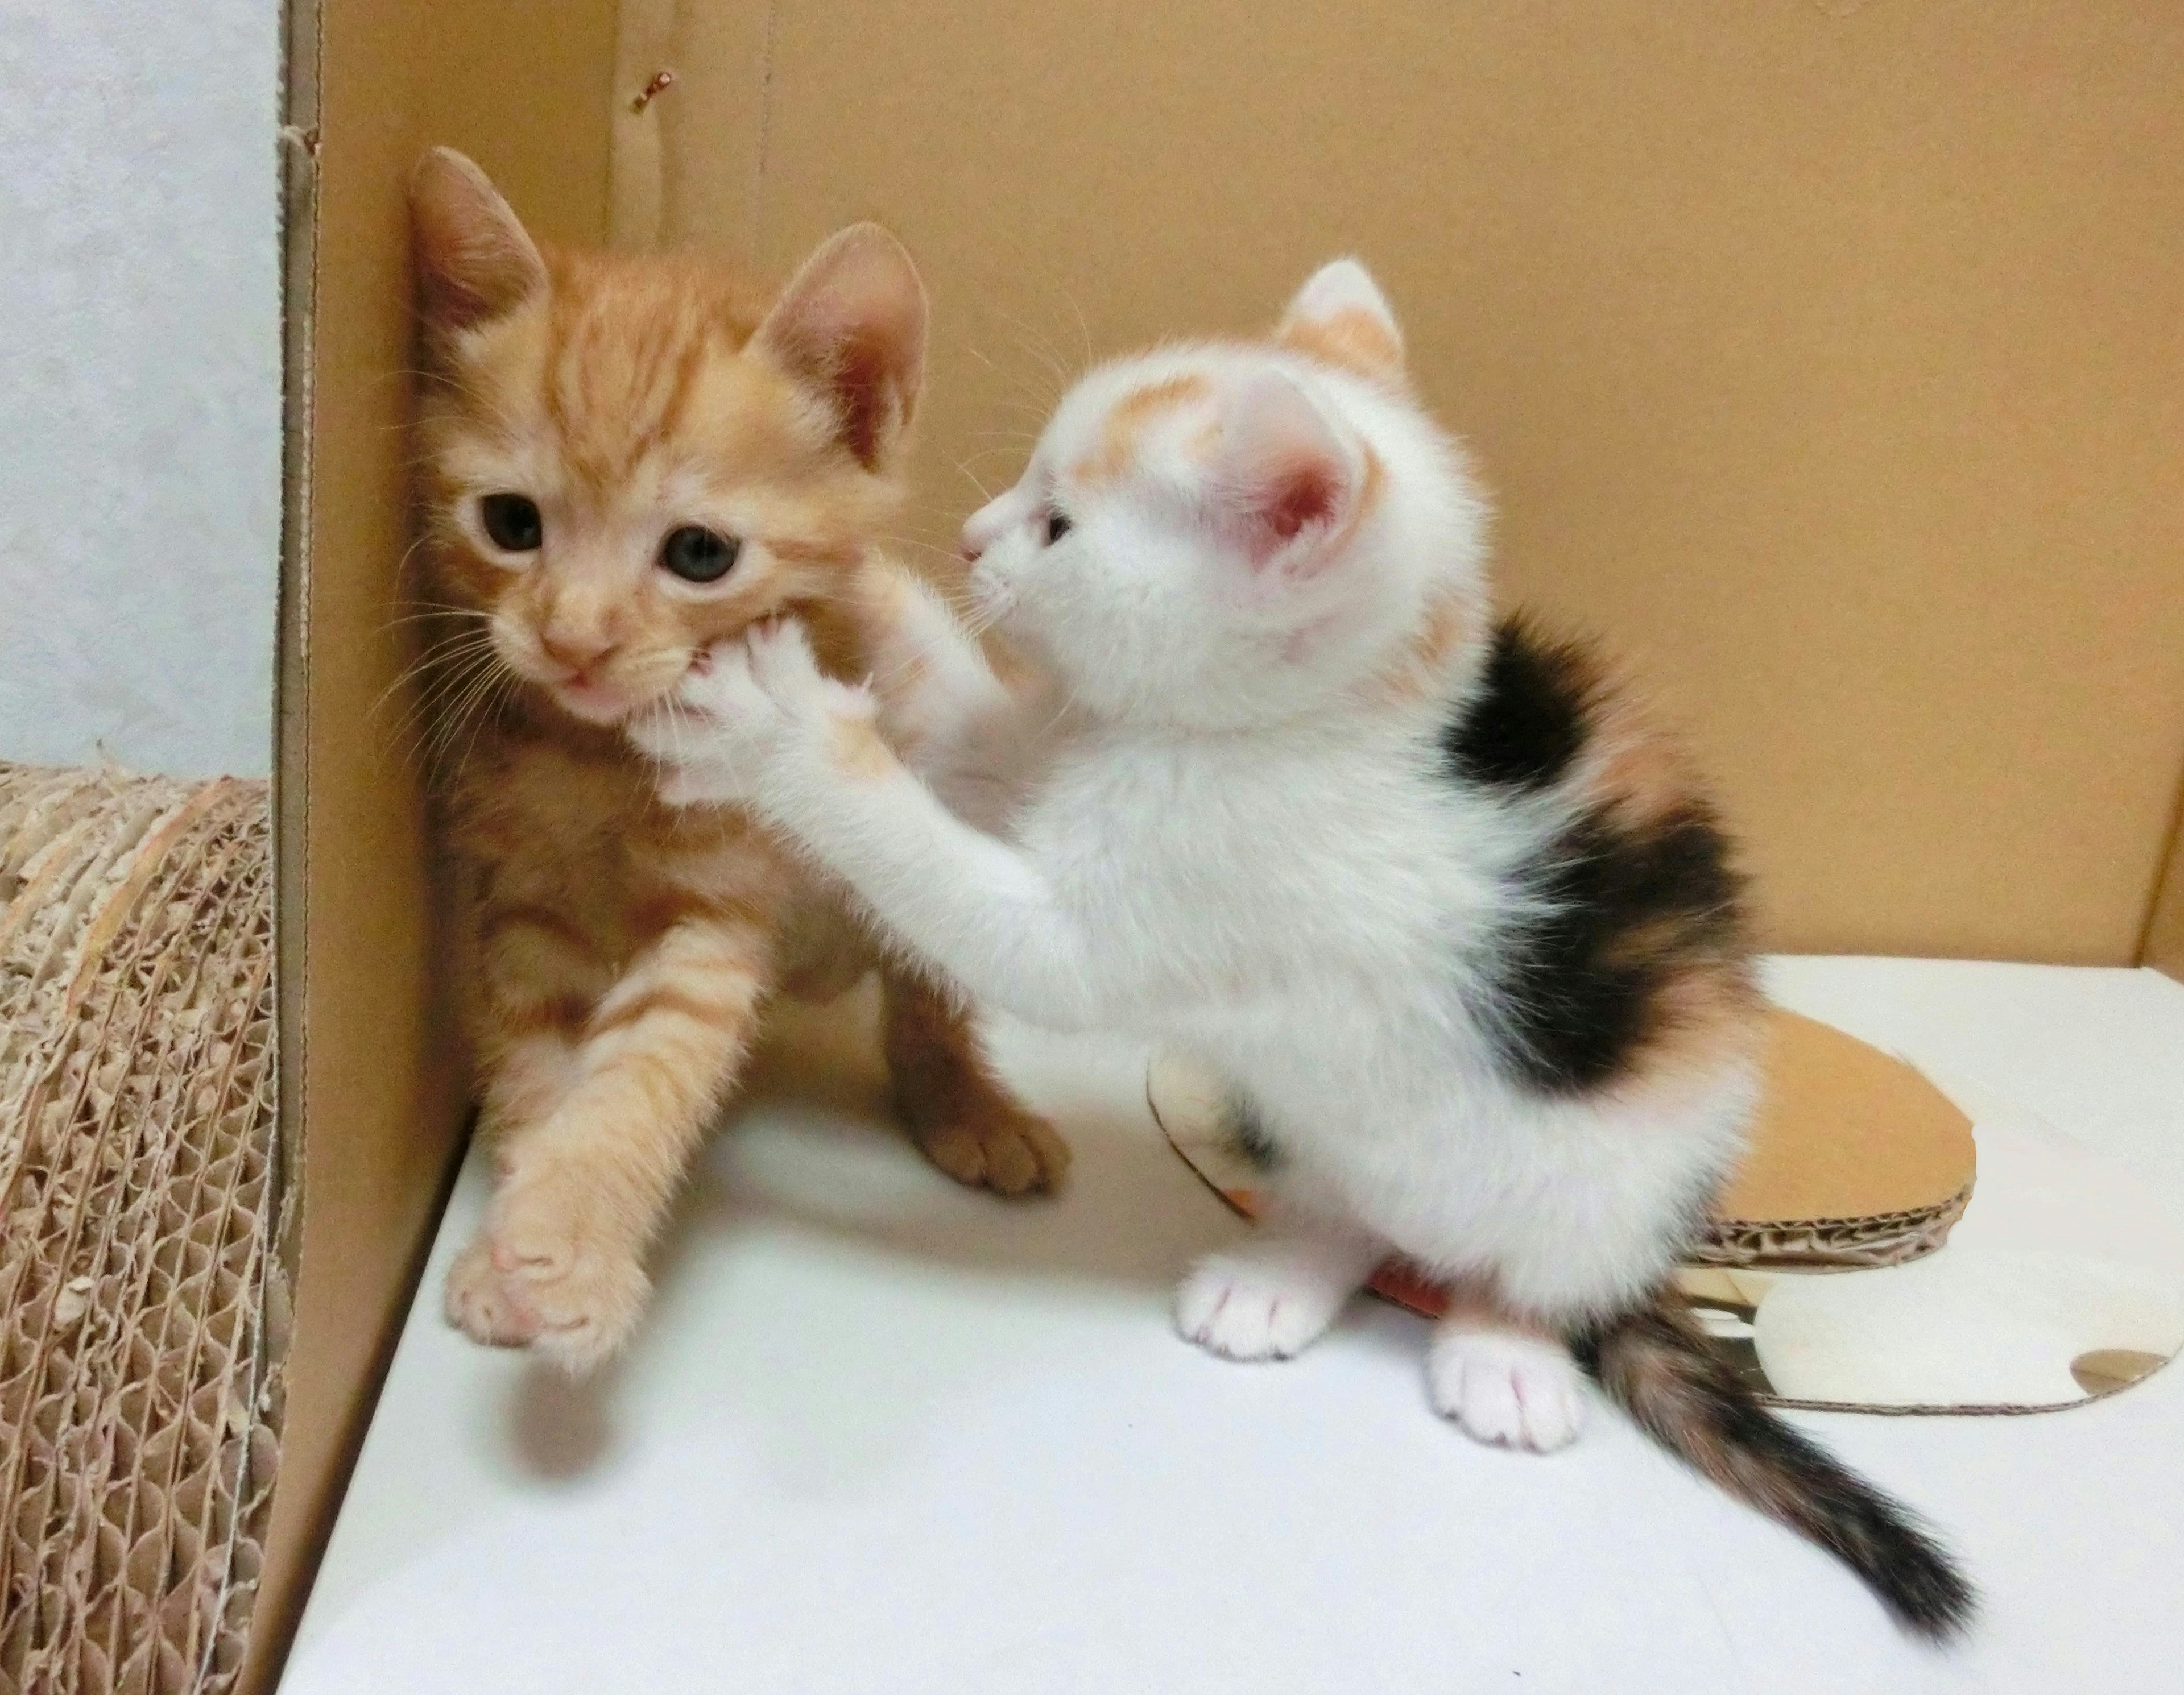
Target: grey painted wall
[139, 381]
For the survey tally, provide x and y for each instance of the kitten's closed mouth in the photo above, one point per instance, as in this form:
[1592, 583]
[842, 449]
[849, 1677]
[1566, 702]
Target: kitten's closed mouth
[595, 703]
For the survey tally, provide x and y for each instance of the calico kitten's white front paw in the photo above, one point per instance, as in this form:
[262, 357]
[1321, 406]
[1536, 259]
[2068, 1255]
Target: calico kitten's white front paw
[1246, 1307]
[712, 736]
[1510, 1390]
[782, 664]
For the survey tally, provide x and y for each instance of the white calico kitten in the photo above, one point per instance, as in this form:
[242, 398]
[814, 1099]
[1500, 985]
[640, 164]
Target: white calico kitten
[1430, 889]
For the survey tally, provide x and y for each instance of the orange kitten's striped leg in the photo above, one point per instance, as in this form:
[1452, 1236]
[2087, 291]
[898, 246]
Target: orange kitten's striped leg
[560, 1265]
[955, 1108]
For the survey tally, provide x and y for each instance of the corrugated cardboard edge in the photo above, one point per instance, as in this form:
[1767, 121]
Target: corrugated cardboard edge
[142, 1316]
[370, 1096]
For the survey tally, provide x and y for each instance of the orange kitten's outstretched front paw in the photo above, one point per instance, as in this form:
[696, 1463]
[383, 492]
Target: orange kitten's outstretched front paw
[477, 1303]
[538, 1278]
[1010, 1152]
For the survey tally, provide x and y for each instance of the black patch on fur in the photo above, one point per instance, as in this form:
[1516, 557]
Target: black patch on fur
[1656, 1365]
[1609, 915]
[1529, 719]
[1248, 1129]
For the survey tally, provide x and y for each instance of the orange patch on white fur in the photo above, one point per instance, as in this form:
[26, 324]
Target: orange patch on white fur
[1630, 762]
[1353, 340]
[1711, 1016]
[1421, 672]
[1126, 421]
[854, 743]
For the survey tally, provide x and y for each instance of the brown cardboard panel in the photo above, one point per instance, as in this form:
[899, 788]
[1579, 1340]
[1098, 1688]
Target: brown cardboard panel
[1845, 1132]
[522, 84]
[1830, 359]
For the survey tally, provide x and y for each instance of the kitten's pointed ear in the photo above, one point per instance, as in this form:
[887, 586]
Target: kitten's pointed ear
[1286, 480]
[852, 323]
[1340, 315]
[475, 260]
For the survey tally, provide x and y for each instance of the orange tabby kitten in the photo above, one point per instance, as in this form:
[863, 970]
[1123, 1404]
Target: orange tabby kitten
[623, 461]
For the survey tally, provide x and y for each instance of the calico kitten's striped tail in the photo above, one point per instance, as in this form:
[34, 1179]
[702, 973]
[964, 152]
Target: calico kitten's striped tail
[1654, 1363]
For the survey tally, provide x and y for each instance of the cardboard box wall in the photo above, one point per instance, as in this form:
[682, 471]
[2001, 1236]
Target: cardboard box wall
[1829, 356]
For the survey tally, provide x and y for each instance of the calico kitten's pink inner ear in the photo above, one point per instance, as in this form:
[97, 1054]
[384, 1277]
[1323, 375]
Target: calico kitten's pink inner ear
[852, 323]
[474, 259]
[1285, 481]
[1340, 317]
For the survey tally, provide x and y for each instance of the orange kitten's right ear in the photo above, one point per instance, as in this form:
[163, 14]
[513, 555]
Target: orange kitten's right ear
[852, 323]
[475, 260]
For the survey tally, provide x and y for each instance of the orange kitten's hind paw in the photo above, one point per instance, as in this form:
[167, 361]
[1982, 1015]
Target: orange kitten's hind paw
[526, 1283]
[1009, 1152]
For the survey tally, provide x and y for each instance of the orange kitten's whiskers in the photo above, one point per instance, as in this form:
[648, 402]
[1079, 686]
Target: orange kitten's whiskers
[438, 675]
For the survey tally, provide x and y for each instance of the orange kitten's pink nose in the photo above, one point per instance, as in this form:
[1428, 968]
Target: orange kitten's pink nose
[578, 652]
[969, 549]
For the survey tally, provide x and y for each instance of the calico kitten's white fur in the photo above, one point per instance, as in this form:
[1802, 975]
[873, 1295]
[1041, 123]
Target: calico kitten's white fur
[1429, 890]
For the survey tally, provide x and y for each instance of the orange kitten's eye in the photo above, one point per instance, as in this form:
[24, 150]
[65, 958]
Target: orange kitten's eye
[513, 522]
[698, 555]
[1057, 527]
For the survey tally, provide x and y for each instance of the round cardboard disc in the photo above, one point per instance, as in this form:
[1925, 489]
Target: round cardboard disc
[1849, 1264]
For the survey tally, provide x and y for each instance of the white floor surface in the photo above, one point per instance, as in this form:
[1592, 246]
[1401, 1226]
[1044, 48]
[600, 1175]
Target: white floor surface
[883, 1435]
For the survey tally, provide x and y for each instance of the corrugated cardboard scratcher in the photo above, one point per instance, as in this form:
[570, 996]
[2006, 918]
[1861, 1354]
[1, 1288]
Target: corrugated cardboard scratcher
[1851, 1263]
[142, 1299]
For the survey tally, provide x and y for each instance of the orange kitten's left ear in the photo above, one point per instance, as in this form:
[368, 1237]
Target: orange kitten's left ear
[1341, 317]
[852, 323]
[474, 259]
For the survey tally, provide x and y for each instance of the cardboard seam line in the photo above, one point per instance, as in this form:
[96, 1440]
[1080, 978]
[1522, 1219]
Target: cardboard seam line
[637, 178]
[2161, 938]
[761, 153]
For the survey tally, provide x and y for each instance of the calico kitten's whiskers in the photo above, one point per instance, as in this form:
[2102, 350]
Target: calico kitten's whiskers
[1036, 401]
[1031, 342]
[971, 477]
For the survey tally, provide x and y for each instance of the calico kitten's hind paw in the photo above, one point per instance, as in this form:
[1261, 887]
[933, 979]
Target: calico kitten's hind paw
[1507, 1389]
[1246, 1307]
[1011, 1153]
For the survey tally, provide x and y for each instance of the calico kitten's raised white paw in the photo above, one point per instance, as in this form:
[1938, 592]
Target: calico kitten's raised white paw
[1243, 1307]
[1510, 1390]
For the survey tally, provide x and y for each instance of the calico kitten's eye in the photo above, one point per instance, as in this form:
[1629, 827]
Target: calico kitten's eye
[513, 522]
[1057, 527]
[698, 555]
